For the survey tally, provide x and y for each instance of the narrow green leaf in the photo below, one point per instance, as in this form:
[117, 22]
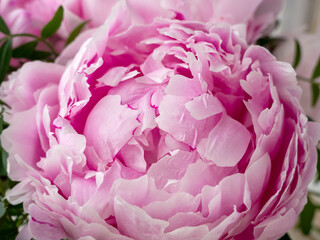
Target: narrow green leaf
[315, 88]
[25, 50]
[4, 103]
[285, 237]
[2, 209]
[3, 27]
[75, 32]
[297, 54]
[306, 217]
[269, 42]
[3, 158]
[316, 70]
[39, 55]
[3, 163]
[318, 164]
[2, 188]
[5, 56]
[53, 25]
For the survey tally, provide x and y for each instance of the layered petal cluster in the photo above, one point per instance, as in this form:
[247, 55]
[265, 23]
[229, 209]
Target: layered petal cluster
[164, 130]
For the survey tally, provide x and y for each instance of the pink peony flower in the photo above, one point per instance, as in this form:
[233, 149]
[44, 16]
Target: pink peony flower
[310, 53]
[167, 130]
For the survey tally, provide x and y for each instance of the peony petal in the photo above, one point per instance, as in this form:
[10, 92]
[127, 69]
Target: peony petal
[200, 174]
[20, 91]
[136, 223]
[42, 227]
[204, 106]
[274, 227]
[171, 168]
[228, 134]
[110, 126]
[133, 156]
[240, 12]
[176, 120]
[179, 202]
[14, 139]
[182, 86]
[257, 177]
[188, 233]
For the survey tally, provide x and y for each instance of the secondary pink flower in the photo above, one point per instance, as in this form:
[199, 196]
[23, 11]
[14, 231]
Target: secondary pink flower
[258, 16]
[310, 53]
[167, 130]
[30, 16]
[23, 16]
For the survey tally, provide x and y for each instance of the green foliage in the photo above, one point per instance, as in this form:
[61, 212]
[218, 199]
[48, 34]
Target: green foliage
[40, 55]
[3, 27]
[315, 93]
[76, 32]
[53, 25]
[306, 217]
[318, 165]
[25, 50]
[5, 56]
[285, 237]
[3, 153]
[297, 55]
[315, 88]
[316, 71]
[269, 42]
[12, 218]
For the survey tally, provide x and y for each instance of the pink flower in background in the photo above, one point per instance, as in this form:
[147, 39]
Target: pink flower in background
[29, 16]
[259, 16]
[167, 130]
[310, 53]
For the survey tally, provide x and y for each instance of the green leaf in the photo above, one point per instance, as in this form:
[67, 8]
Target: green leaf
[53, 25]
[3, 27]
[40, 55]
[315, 89]
[25, 50]
[11, 184]
[306, 217]
[315, 93]
[285, 237]
[316, 70]
[2, 188]
[269, 42]
[298, 55]
[5, 56]
[9, 234]
[15, 210]
[75, 32]
[318, 164]
[4, 103]
[3, 163]
[2, 209]
[4, 155]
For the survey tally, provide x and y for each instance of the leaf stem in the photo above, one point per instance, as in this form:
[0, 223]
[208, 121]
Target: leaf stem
[49, 45]
[304, 79]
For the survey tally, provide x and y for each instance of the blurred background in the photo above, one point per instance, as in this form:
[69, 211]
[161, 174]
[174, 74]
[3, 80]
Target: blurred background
[299, 15]
[296, 17]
